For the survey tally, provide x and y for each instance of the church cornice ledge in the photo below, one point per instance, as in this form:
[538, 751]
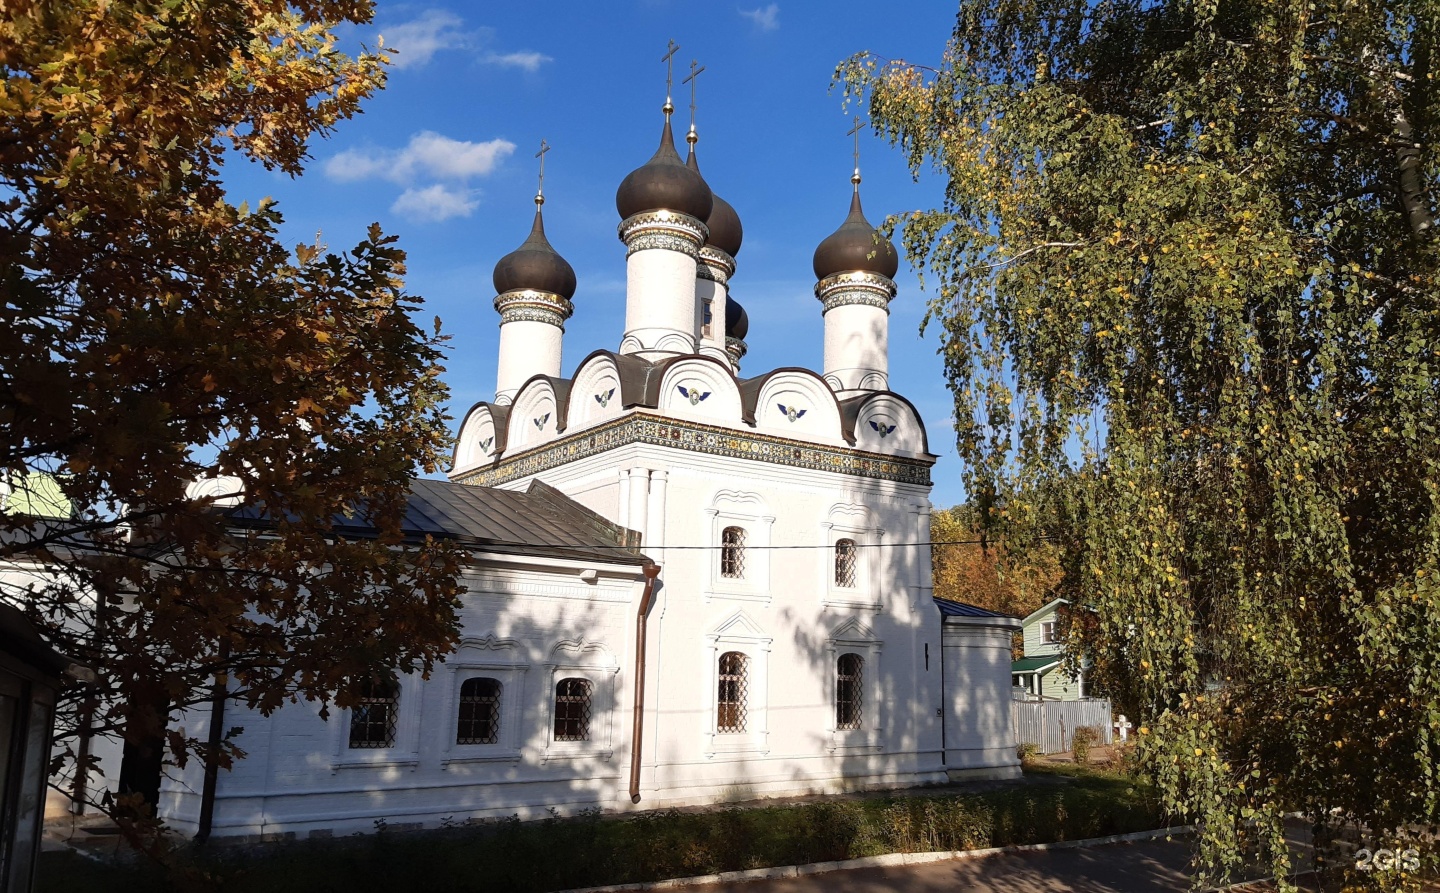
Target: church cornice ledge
[666, 230]
[683, 434]
[528, 304]
[856, 287]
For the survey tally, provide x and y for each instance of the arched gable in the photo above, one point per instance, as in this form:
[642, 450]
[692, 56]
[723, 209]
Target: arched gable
[885, 422]
[700, 387]
[482, 437]
[796, 403]
[537, 413]
[597, 392]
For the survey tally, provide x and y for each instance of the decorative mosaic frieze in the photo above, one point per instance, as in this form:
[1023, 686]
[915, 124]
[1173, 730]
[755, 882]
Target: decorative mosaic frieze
[663, 241]
[715, 265]
[866, 289]
[699, 438]
[735, 349]
[666, 230]
[529, 305]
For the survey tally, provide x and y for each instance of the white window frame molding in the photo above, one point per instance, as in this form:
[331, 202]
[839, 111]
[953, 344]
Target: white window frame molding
[852, 521]
[405, 752]
[498, 659]
[856, 638]
[738, 633]
[593, 662]
[732, 508]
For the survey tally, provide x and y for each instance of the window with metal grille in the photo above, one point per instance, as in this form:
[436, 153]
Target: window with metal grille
[372, 719]
[572, 710]
[849, 673]
[734, 695]
[845, 555]
[732, 552]
[479, 711]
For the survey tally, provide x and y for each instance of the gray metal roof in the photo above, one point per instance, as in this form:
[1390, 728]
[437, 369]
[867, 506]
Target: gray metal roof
[960, 609]
[538, 521]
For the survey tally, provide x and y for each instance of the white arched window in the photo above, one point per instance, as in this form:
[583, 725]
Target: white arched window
[572, 709]
[732, 553]
[846, 554]
[373, 718]
[849, 691]
[479, 720]
[732, 700]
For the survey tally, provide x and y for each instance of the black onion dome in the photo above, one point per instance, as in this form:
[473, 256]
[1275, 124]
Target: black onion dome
[855, 247]
[535, 265]
[723, 223]
[737, 321]
[664, 183]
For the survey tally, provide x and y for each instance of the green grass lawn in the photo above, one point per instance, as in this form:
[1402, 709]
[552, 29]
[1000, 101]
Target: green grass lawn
[554, 854]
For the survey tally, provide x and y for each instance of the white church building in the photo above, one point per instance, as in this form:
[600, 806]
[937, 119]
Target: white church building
[687, 585]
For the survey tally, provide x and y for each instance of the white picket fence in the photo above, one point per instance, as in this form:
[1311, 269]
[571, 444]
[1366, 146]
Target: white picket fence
[1050, 725]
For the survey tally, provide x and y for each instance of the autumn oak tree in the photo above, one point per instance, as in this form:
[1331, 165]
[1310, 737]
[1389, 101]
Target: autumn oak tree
[1186, 259]
[156, 333]
[975, 564]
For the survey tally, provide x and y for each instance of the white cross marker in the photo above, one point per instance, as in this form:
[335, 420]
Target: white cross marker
[1122, 725]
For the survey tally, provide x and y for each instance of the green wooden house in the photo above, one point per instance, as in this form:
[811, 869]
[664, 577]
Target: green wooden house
[1041, 674]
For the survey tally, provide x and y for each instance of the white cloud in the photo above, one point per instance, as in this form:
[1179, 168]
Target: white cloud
[427, 158]
[765, 18]
[528, 61]
[429, 155]
[435, 203]
[418, 40]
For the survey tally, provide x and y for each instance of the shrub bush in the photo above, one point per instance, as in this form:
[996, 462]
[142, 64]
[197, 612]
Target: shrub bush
[1027, 752]
[1085, 737]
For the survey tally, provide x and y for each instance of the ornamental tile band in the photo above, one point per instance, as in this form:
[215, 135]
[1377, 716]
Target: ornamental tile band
[855, 287]
[665, 230]
[699, 438]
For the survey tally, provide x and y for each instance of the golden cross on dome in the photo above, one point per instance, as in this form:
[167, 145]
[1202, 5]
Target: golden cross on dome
[540, 190]
[669, 60]
[855, 132]
[695, 69]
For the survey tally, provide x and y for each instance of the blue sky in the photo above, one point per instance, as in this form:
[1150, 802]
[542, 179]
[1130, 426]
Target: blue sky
[443, 157]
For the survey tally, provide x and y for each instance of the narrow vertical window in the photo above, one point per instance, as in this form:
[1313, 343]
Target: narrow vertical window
[479, 711]
[372, 719]
[1047, 632]
[845, 555]
[849, 675]
[734, 693]
[732, 553]
[572, 710]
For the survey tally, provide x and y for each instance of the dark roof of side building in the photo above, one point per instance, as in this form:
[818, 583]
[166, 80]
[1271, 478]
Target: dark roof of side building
[537, 521]
[959, 609]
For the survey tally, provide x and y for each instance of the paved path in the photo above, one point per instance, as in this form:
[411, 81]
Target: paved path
[1142, 867]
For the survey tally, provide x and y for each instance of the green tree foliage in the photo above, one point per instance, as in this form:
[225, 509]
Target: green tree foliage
[1189, 248]
[152, 333]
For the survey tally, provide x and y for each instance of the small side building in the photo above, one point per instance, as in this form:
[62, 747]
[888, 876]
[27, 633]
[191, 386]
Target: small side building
[978, 731]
